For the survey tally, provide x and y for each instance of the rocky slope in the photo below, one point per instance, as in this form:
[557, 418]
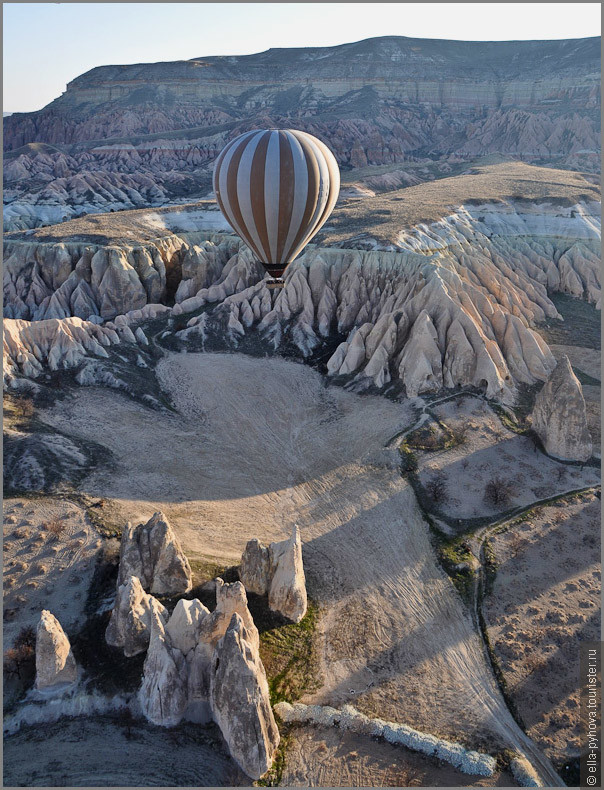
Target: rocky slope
[128, 136]
[453, 302]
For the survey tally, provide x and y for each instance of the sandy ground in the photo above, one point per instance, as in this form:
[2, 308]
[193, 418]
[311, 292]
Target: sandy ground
[260, 444]
[98, 753]
[492, 451]
[43, 570]
[330, 758]
[544, 603]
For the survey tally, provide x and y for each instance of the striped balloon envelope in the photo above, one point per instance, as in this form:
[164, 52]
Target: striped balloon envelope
[276, 188]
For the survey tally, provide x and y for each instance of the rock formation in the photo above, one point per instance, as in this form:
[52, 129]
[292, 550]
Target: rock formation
[32, 347]
[152, 553]
[465, 760]
[559, 417]
[163, 693]
[55, 664]
[378, 101]
[191, 671]
[449, 304]
[131, 619]
[241, 702]
[278, 571]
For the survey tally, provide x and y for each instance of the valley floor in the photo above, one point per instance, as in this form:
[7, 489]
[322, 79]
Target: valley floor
[254, 446]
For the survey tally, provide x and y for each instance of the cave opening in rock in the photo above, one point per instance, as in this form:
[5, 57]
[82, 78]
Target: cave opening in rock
[173, 278]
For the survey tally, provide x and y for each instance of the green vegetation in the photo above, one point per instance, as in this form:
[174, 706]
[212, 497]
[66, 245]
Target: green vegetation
[275, 774]
[456, 559]
[205, 569]
[289, 655]
[490, 567]
[408, 458]
[436, 435]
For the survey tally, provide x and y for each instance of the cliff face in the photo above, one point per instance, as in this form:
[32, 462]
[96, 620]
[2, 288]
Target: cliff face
[452, 303]
[147, 134]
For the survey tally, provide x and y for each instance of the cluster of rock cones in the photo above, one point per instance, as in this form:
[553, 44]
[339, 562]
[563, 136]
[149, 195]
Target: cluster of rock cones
[200, 666]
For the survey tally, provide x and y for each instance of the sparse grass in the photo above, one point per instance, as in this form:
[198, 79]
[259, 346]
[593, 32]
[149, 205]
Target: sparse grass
[489, 567]
[275, 774]
[205, 570]
[432, 200]
[289, 656]
[408, 458]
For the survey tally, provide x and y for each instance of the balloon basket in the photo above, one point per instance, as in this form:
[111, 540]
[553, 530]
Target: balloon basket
[275, 283]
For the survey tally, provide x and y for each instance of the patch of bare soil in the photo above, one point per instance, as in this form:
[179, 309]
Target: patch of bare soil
[491, 454]
[329, 757]
[50, 549]
[102, 752]
[545, 601]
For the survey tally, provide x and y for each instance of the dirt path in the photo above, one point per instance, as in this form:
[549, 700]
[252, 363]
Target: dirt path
[260, 444]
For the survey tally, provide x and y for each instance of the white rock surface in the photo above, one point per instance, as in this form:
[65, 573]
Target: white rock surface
[524, 773]
[240, 700]
[192, 671]
[278, 571]
[55, 664]
[287, 591]
[152, 553]
[163, 693]
[254, 570]
[30, 348]
[130, 623]
[559, 417]
[453, 302]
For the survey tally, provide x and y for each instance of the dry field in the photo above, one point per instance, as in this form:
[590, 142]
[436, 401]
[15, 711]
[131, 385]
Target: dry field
[322, 757]
[544, 602]
[49, 557]
[384, 216]
[491, 452]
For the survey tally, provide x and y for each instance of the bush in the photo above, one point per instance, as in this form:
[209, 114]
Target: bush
[436, 488]
[459, 434]
[20, 660]
[56, 526]
[497, 492]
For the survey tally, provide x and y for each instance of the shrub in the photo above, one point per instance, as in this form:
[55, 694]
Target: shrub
[436, 488]
[20, 659]
[459, 434]
[56, 526]
[497, 492]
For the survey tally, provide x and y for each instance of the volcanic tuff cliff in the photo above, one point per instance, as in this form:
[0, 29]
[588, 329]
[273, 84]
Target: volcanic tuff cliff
[451, 303]
[129, 136]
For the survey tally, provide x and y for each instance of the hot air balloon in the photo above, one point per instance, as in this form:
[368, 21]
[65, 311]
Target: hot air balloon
[276, 188]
